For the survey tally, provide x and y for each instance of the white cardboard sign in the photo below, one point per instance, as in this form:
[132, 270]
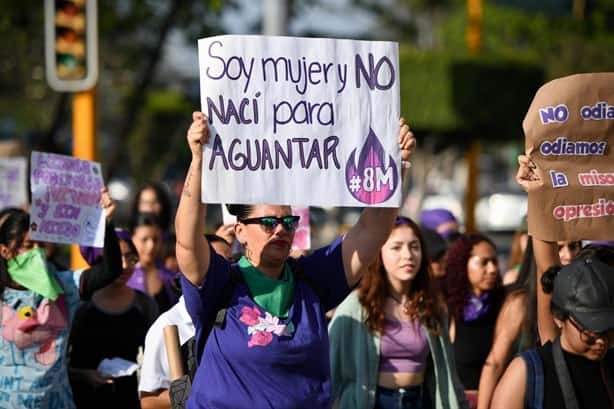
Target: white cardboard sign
[13, 183]
[66, 200]
[300, 121]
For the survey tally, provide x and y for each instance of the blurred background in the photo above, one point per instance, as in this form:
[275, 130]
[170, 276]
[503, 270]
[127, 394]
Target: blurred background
[469, 70]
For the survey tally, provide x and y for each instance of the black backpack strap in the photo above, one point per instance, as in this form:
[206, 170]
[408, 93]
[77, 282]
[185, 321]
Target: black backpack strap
[562, 373]
[188, 351]
[534, 391]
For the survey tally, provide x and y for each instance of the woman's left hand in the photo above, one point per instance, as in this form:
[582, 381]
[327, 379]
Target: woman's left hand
[407, 142]
[107, 204]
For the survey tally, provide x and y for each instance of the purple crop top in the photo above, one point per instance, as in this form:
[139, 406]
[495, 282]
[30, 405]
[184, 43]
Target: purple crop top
[404, 347]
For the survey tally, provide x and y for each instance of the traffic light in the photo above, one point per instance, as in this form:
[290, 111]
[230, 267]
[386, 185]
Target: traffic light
[71, 44]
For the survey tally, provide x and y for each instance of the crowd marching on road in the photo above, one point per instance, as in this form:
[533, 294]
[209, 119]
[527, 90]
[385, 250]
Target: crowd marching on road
[393, 313]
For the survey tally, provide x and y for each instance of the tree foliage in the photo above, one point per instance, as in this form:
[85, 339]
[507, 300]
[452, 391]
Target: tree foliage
[132, 36]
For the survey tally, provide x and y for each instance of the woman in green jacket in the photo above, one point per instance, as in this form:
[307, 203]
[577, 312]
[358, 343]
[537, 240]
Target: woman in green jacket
[389, 343]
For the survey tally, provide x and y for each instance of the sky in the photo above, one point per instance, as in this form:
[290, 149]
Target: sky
[338, 19]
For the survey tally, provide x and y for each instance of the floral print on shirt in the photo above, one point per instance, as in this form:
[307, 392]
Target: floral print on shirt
[262, 328]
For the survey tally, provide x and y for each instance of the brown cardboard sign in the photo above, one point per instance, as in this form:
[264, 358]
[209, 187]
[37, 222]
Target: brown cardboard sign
[569, 132]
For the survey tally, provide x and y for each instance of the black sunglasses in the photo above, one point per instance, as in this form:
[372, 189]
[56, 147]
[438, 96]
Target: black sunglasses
[270, 223]
[589, 337]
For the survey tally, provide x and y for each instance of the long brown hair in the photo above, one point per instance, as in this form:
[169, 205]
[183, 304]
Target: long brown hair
[425, 303]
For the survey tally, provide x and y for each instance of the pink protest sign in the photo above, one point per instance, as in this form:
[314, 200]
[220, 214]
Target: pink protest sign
[13, 182]
[302, 236]
[66, 200]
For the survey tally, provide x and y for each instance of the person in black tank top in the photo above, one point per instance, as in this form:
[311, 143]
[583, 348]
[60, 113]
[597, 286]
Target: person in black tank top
[573, 368]
[472, 287]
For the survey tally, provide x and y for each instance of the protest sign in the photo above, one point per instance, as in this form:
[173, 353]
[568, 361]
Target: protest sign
[66, 200]
[13, 182]
[302, 236]
[569, 131]
[300, 121]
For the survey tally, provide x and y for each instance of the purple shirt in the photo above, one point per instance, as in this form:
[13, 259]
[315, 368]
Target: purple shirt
[260, 361]
[167, 297]
[403, 347]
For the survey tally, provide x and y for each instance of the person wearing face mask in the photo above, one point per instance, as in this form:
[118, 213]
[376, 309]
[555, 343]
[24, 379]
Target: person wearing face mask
[150, 275]
[473, 291]
[38, 303]
[111, 325]
[387, 333]
[568, 372]
[271, 350]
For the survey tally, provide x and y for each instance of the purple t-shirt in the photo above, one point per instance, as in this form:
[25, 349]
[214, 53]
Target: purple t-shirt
[168, 295]
[260, 361]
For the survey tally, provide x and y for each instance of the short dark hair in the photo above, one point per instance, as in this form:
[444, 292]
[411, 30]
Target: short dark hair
[241, 211]
[145, 219]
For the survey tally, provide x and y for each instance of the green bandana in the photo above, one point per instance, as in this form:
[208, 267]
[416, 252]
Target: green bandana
[29, 269]
[274, 296]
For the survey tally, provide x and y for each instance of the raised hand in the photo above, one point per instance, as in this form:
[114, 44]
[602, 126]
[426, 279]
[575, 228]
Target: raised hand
[407, 142]
[198, 133]
[528, 176]
[107, 203]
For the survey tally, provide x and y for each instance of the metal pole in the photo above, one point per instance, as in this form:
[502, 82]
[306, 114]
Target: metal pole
[84, 145]
[579, 9]
[474, 28]
[275, 17]
[474, 44]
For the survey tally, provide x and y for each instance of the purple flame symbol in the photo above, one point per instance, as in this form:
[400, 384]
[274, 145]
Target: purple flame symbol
[370, 181]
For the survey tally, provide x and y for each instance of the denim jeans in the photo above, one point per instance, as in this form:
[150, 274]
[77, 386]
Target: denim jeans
[402, 398]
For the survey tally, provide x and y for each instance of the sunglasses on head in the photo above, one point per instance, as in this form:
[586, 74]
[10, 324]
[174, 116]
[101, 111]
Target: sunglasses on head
[270, 223]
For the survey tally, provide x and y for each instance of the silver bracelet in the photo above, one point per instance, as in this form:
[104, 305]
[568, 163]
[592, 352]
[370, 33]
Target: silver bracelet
[405, 164]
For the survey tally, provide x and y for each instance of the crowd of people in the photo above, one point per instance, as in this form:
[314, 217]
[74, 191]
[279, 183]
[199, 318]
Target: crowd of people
[395, 313]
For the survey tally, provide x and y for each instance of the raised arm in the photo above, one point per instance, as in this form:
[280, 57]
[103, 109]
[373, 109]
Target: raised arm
[546, 255]
[192, 249]
[109, 266]
[363, 242]
[507, 331]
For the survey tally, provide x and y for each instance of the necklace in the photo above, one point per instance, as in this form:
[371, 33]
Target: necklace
[404, 305]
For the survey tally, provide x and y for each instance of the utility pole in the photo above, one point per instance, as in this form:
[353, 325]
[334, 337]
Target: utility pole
[83, 145]
[474, 44]
[579, 9]
[275, 17]
[71, 61]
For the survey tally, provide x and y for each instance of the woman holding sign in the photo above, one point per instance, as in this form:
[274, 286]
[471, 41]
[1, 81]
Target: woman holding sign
[38, 303]
[270, 348]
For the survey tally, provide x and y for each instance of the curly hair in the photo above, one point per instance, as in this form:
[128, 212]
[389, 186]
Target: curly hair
[425, 302]
[456, 285]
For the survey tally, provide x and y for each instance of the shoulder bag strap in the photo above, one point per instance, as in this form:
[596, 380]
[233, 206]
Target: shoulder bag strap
[562, 373]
